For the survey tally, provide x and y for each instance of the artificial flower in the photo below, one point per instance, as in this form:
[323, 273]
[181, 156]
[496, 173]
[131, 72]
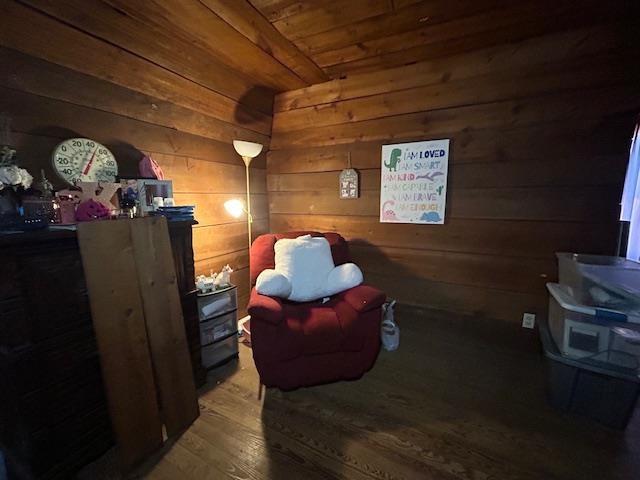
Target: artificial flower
[13, 176]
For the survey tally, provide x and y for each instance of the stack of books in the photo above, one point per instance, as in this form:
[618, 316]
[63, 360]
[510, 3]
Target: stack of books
[176, 214]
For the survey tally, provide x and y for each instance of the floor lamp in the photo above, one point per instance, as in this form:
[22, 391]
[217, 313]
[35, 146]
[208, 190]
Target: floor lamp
[248, 151]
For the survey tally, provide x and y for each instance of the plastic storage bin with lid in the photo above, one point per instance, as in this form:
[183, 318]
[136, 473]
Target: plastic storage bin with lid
[613, 282]
[603, 392]
[593, 335]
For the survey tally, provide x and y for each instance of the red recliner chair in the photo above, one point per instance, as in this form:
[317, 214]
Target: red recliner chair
[303, 344]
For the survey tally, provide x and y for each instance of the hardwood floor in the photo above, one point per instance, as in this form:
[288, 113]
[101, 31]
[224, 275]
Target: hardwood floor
[463, 398]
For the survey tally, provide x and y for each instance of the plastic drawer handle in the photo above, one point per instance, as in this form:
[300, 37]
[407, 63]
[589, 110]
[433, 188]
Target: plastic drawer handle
[610, 315]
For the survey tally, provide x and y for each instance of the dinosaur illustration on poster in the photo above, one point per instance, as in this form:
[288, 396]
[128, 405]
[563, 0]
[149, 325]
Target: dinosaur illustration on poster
[394, 159]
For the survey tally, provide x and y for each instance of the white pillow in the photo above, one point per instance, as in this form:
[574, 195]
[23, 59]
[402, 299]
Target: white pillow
[342, 278]
[307, 265]
[273, 284]
[306, 261]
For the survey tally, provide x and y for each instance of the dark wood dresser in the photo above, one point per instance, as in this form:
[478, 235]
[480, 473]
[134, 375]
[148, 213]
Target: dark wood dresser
[53, 412]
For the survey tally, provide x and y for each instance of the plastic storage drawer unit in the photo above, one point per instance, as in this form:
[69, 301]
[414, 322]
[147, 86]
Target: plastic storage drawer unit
[218, 312]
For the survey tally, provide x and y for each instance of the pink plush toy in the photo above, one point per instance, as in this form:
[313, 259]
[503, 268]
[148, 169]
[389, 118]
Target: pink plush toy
[91, 210]
[149, 168]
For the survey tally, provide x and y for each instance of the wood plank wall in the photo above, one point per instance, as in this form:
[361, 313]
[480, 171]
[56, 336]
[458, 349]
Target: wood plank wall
[540, 133]
[57, 81]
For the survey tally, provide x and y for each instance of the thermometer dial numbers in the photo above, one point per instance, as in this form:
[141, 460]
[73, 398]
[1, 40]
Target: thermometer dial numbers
[84, 160]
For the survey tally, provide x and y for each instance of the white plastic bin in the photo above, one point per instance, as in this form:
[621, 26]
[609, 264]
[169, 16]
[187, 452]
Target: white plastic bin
[601, 280]
[591, 334]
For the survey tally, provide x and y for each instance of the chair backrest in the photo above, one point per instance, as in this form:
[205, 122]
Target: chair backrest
[263, 253]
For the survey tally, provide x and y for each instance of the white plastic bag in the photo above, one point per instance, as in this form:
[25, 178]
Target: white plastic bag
[390, 333]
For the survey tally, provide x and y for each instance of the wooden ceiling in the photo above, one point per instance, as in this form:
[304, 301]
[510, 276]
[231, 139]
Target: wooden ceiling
[224, 45]
[247, 50]
[348, 36]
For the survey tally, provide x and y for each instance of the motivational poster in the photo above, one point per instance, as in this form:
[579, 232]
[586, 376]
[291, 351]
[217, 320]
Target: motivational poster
[413, 182]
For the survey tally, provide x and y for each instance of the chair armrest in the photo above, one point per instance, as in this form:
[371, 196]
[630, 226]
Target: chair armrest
[262, 307]
[363, 298]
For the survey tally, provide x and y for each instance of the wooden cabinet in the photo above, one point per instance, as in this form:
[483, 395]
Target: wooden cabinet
[53, 412]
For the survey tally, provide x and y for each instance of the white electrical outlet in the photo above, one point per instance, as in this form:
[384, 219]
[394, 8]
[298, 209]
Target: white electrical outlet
[528, 320]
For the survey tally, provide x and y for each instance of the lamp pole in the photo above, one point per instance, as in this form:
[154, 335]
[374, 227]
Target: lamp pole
[247, 161]
[247, 150]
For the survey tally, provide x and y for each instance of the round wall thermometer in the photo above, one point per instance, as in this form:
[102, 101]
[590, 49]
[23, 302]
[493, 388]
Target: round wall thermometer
[84, 160]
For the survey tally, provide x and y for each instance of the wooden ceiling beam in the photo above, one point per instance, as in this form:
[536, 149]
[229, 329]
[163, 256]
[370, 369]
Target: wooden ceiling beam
[194, 22]
[242, 16]
[461, 26]
[408, 18]
[69, 47]
[102, 20]
[523, 21]
[330, 15]
[280, 9]
[344, 37]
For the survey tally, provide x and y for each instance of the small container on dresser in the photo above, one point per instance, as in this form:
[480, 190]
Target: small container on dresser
[218, 313]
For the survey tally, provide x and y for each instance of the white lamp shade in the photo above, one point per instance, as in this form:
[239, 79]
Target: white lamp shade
[234, 207]
[247, 149]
